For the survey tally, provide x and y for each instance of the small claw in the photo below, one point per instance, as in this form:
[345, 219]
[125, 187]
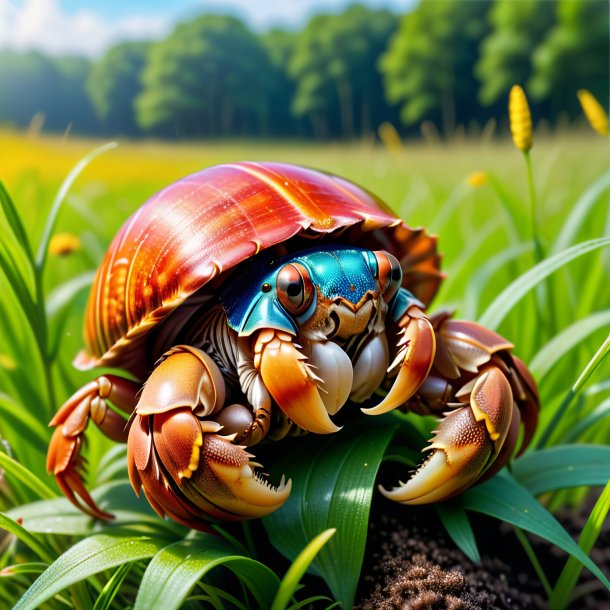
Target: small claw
[290, 382]
[466, 443]
[418, 345]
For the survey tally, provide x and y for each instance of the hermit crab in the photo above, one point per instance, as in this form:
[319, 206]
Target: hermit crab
[251, 302]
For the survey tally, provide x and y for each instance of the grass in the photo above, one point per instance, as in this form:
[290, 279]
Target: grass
[560, 324]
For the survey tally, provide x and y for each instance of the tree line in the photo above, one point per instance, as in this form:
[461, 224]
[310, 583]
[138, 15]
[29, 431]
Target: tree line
[340, 76]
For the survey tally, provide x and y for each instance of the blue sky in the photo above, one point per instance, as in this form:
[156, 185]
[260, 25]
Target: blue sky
[89, 26]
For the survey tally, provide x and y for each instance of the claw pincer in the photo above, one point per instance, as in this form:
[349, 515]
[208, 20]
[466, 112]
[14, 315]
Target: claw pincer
[254, 301]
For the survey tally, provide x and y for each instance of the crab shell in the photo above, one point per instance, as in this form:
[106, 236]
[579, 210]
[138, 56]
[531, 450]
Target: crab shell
[183, 240]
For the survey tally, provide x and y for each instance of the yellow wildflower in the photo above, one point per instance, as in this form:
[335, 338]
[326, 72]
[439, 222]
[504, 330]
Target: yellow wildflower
[390, 137]
[63, 244]
[520, 119]
[477, 179]
[596, 115]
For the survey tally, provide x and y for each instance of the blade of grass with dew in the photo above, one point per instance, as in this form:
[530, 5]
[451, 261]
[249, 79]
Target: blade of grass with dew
[569, 575]
[503, 498]
[591, 367]
[563, 343]
[580, 211]
[25, 477]
[175, 569]
[562, 467]
[87, 557]
[290, 582]
[512, 294]
[456, 522]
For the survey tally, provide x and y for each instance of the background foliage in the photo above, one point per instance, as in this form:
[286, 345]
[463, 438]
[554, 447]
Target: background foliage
[342, 75]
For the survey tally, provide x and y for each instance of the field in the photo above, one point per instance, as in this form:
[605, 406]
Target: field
[472, 193]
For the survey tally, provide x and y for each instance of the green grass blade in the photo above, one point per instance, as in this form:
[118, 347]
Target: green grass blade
[43, 247]
[87, 557]
[111, 588]
[175, 570]
[31, 567]
[14, 221]
[512, 294]
[503, 498]
[563, 343]
[563, 467]
[65, 293]
[31, 541]
[24, 476]
[587, 422]
[456, 522]
[299, 566]
[30, 427]
[332, 488]
[569, 575]
[580, 211]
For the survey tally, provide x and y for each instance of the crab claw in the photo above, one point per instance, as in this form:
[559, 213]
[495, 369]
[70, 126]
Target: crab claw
[292, 382]
[466, 443]
[187, 470]
[192, 474]
[416, 349]
[90, 402]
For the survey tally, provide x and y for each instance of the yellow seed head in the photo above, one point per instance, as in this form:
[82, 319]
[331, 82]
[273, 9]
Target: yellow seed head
[63, 244]
[520, 119]
[390, 137]
[476, 179]
[596, 115]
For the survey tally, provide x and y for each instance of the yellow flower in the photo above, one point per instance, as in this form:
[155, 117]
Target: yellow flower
[390, 137]
[520, 119]
[63, 244]
[477, 179]
[7, 363]
[596, 115]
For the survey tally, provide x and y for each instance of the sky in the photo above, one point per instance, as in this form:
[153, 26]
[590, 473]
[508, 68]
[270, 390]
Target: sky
[88, 27]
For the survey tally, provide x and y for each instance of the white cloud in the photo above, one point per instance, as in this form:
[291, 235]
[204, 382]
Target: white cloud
[43, 25]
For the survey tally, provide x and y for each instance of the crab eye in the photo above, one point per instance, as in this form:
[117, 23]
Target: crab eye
[389, 273]
[294, 288]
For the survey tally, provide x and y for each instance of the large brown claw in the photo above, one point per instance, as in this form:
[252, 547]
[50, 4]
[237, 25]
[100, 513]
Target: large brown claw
[466, 443]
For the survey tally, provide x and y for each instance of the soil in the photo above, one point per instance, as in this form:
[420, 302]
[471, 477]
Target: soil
[411, 564]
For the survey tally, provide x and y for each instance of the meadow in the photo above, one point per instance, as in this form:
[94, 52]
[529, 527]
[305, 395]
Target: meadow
[472, 192]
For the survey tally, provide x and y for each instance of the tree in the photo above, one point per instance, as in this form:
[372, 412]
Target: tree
[574, 54]
[429, 65]
[114, 83]
[209, 77]
[506, 53]
[334, 66]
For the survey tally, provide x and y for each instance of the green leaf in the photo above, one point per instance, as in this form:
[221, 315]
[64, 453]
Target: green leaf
[11, 526]
[23, 475]
[65, 293]
[175, 570]
[503, 498]
[515, 291]
[66, 185]
[456, 522]
[333, 482]
[579, 212]
[571, 571]
[299, 566]
[106, 597]
[85, 558]
[32, 567]
[566, 340]
[563, 467]
[587, 422]
[23, 421]
[14, 221]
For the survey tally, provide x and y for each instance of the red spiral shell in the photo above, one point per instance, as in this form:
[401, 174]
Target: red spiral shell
[201, 226]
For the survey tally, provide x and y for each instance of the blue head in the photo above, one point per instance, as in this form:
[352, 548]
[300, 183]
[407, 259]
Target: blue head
[323, 292]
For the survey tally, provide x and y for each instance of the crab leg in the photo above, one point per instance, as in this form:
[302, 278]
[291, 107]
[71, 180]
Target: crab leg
[176, 454]
[292, 382]
[495, 392]
[90, 402]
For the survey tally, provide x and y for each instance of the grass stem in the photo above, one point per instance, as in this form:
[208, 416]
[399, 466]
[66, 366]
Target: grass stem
[527, 547]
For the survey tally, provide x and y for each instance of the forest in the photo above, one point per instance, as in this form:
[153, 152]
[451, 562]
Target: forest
[342, 75]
